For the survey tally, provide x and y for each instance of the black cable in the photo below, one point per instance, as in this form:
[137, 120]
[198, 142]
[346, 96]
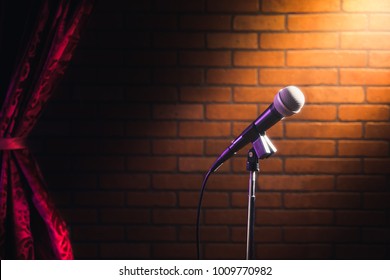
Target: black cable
[206, 177]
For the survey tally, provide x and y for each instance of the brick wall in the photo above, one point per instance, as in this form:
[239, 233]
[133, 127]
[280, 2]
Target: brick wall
[158, 88]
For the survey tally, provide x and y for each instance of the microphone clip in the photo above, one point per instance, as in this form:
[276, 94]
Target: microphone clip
[263, 146]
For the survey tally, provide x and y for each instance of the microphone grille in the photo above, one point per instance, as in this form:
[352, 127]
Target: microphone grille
[289, 101]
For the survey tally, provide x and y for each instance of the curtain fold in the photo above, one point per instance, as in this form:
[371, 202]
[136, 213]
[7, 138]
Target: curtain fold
[30, 227]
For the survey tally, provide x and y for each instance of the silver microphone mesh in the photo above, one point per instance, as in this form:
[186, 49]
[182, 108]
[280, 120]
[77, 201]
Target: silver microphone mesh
[289, 101]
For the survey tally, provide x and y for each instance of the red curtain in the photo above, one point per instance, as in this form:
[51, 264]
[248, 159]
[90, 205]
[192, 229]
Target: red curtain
[30, 227]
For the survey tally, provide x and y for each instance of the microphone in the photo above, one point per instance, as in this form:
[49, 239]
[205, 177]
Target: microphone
[288, 101]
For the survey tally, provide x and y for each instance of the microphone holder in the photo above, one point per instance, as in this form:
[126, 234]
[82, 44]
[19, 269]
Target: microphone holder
[262, 149]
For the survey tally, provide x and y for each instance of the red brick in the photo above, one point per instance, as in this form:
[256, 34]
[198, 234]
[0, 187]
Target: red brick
[379, 59]
[312, 40]
[151, 199]
[360, 218]
[323, 130]
[263, 200]
[298, 76]
[259, 22]
[316, 113]
[178, 40]
[322, 200]
[320, 234]
[327, 58]
[376, 201]
[323, 165]
[151, 233]
[151, 129]
[327, 22]
[272, 165]
[305, 147]
[377, 130]
[208, 233]
[226, 217]
[294, 217]
[377, 166]
[366, 6]
[232, 40]
[232, 76]
[294, 252]
[363, 148]
[205, 58]
[205, 22]
[124, 181]
[178, 111]
[151, 163]
[202, 129]
[215, 251]
[176, 181]
[178, 147]
[360, 251]
[333, 94]
[262, 234]
[378, 94]
[259, 58]
[125, 216]
[301, 6]
[174, 251]
[255, 94]
[361, 183]
[233, 6]
[364, 76]
[174, 216]
[220, 182]
[210, 199]
[191, 164]
[182, 76]
[215, 147]
[379, 22]
[205, 94]
[231, 112]
[363, 112]
[376, 235]
[305, 183]
[365, 40]
[99, 198]
[275, 132]
[151, 93]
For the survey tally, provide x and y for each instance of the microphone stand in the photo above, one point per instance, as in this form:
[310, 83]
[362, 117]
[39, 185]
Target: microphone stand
[262, 149]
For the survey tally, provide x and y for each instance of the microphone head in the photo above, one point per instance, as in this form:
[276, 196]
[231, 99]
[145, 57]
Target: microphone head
[289, 101]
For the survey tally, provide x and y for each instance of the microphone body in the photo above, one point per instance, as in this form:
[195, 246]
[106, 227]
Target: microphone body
[288, 101]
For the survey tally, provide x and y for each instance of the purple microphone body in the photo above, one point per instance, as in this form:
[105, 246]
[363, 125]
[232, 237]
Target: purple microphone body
[287, 101]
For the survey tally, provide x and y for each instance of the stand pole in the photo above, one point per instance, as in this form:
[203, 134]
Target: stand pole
[252, 166]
